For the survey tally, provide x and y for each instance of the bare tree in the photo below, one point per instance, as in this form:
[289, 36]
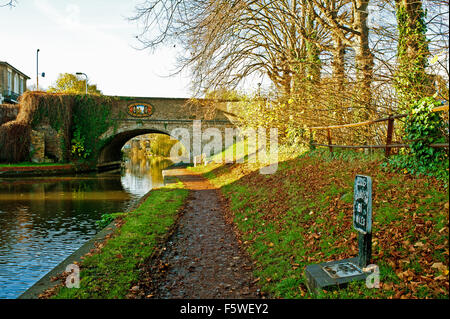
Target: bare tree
[303, 46]
[347, 20]
[10, 3]
[226, 41]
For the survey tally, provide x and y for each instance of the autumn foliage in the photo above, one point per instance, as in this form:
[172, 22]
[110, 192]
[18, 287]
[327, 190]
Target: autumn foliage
[302, 215]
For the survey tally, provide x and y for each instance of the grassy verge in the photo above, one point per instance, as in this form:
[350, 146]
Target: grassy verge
[30, 164]
[302, 215]
[111, 271]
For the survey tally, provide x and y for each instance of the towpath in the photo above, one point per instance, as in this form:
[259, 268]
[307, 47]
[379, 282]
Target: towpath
[202, 259]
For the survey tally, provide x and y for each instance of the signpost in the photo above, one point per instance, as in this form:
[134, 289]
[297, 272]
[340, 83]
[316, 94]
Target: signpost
[362, 217]
[339, 273]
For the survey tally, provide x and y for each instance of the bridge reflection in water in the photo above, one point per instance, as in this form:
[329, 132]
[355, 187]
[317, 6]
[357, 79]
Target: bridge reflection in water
[44, 220]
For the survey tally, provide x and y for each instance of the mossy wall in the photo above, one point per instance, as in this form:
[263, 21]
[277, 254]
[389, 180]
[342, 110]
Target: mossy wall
[72, 125]
[91, 117]
[8, 112]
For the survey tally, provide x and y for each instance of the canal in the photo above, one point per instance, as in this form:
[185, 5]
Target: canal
[44, 220]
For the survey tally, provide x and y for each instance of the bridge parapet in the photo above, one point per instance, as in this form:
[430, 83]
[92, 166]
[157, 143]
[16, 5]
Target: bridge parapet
[170, 109]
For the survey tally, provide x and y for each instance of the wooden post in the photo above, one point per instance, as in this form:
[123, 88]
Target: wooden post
[311, 140]
[329, 140]
[390, 130]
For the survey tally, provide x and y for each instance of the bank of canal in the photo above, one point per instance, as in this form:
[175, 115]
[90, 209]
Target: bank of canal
[45, 219]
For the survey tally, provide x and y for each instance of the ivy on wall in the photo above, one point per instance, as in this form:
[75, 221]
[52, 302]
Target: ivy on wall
[91, 118]
[56, 111]
[78, 120]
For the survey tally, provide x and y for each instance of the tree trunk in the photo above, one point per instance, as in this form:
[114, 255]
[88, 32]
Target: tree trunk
[313, 52]
[412, 82]
[338, 64]
[363, 59]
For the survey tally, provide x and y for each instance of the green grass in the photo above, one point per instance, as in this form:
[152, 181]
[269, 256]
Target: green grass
[111, 272]
[30, 164]
[302, 215]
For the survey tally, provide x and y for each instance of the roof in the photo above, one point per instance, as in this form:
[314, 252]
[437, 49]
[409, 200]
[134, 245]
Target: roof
[18, 71]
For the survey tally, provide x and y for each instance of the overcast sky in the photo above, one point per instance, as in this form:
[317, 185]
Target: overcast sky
[90, 36]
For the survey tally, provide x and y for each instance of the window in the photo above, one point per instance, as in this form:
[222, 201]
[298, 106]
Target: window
[21, 85]
[16, 84]
[9, 81]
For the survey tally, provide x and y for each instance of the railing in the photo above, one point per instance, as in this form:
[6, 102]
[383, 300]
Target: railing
[10, 96]
[390, 129]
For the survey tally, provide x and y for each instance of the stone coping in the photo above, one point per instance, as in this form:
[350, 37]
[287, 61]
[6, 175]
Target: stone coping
[48, 170]
[34, 168]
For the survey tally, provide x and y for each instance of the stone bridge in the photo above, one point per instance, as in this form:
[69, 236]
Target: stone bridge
[170, 116]
[50, 118]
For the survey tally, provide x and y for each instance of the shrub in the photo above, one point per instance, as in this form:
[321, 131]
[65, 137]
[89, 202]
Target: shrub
[424, 128]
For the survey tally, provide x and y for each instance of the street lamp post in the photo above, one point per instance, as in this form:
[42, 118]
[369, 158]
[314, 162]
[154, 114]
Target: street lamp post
[37, 70]
[81, 73]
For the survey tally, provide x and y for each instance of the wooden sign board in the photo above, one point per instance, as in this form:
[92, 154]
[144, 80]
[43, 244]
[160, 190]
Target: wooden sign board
[362, 204]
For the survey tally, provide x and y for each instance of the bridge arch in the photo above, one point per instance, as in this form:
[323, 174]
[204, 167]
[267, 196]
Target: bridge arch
[111, 151]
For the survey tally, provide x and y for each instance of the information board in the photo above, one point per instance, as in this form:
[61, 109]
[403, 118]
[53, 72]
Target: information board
[362, 204]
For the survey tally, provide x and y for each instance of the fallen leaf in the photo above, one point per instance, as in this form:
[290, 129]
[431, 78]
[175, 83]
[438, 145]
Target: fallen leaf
[405, 261]
[440, 277]
[439, 266]
[388, 286]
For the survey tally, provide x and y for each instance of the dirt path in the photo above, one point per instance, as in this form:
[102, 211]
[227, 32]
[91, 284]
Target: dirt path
[202, 259]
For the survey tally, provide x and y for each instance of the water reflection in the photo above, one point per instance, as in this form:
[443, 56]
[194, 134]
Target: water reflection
[144, 173]
[44, 220]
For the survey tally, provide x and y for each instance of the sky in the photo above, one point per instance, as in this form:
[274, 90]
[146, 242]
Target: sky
[89, 36]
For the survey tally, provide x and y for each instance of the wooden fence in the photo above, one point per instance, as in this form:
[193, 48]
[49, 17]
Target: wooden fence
[390, 129]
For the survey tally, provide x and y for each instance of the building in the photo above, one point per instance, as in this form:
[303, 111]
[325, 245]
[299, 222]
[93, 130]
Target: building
[12, 83]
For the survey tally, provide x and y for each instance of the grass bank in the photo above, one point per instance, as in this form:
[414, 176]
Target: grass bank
[112, 269]
[31, 164]
[302, 215]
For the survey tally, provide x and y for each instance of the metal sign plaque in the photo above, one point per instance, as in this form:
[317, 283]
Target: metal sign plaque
[140, 110]
[342, 270]
[362, 204]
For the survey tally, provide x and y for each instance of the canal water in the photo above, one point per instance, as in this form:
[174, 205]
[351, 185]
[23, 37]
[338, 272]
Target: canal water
[44, 220]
